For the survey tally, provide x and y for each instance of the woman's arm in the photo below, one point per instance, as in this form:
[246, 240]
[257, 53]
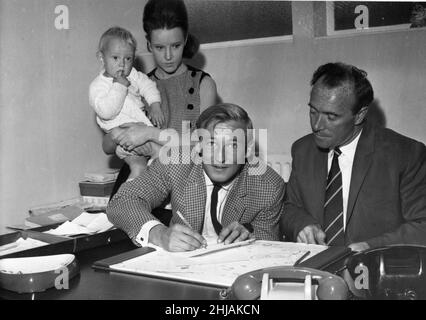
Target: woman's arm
[133, 135]
[123, 135]
[208, 93]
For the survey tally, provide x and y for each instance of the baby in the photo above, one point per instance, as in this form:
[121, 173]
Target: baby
[116, 93]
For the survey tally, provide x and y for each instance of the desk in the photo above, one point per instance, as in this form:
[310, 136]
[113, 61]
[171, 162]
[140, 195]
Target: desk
[98, 285]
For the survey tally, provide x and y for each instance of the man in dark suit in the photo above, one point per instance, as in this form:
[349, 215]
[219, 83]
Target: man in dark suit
[353, 183]
[215, 192]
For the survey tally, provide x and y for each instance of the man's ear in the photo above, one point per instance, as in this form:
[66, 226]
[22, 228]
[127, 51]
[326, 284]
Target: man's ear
[251, 149]
[148, 45]
[361, 115]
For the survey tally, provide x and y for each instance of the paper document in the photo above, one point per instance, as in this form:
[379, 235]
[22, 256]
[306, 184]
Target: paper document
[219, 268]
[20, 245]
[86, 223]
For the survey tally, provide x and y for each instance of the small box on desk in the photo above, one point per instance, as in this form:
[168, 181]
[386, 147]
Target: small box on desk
[54, 216]
[96, 189]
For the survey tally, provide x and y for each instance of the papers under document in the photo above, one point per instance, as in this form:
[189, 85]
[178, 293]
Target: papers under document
[20, 245]
[86, 223]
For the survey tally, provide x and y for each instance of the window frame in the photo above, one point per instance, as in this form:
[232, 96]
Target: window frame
[330, 27]
[252, 41]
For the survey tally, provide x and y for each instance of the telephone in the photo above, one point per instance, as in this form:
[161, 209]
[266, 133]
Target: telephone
[394, 272]
[288, 283]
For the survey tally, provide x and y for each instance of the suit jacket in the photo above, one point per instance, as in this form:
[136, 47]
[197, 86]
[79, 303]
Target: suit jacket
[387, 194]
[255, 198]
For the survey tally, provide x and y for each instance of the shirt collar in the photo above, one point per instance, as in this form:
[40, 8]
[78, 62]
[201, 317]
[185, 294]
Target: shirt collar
[226, 187]
[349, 149]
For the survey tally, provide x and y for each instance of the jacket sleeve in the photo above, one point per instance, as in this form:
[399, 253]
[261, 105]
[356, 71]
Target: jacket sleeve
[413, 203]
[266, 223]
[295, 217]
[132, 205]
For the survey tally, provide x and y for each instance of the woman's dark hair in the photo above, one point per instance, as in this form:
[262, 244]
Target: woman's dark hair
[169, 14]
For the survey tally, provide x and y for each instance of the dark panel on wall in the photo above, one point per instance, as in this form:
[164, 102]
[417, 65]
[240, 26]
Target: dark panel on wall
[217, 21]
[380, 13]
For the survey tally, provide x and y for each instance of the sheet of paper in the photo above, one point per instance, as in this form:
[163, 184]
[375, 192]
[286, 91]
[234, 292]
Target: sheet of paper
[219, 268]
[86, 223]
[69, 228]
[100, 223]
[20, 245]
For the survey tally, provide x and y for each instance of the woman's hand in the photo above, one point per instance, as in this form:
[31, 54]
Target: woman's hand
[131, 135]
[115, 133]
[143, 150]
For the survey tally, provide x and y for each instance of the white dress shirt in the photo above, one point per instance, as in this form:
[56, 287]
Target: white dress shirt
[208, 229]
[346, 161]
[222, 195]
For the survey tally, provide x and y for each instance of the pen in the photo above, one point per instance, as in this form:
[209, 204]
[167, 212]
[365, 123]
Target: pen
[307, 253]
[188, 225]
[226, 247]
[183, 219]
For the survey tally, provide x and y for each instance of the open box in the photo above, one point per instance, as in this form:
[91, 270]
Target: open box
[55, 244]
[60, 244]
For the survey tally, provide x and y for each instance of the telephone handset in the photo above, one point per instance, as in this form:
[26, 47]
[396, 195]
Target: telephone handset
[391, 272]
[288, 283]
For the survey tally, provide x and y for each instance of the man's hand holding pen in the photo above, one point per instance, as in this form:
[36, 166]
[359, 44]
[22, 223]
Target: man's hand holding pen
[177, 237]
[182, 237]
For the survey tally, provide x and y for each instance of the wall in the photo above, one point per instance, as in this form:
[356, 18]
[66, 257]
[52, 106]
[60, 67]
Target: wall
[49, 138]
[48, 134]
[272, 81]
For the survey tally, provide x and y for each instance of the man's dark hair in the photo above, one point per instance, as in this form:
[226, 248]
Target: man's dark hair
[334, 75]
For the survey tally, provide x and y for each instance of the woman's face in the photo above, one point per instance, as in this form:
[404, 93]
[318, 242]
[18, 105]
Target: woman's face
[167, 47]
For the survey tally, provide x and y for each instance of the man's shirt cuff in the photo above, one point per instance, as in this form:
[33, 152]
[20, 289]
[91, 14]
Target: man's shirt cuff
[143, 235]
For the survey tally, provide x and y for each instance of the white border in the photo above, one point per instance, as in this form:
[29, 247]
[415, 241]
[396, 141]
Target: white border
[246, 42]
[332, 32]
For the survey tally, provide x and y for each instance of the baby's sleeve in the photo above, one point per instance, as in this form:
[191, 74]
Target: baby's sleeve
[107, 100]
[147, 87]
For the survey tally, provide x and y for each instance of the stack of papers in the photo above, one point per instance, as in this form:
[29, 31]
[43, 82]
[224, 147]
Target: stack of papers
[86, 223]
[101, 177]
[20, 245]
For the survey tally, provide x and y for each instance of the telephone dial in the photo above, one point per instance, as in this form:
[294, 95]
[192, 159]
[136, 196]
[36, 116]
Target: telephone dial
[394, 272]
[287, 283]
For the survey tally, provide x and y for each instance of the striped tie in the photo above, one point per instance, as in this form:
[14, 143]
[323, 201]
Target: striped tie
[333, 207]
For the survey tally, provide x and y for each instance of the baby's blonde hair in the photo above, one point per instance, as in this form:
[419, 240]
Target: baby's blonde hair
[116, 33]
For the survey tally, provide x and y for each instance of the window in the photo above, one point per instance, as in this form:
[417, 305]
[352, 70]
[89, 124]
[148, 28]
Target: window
[345, 17]
[216, 23]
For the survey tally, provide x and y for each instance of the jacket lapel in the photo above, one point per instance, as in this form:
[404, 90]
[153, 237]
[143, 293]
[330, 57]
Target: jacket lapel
[319, 183]
[195, 198]
[234, 205]
[362, 162]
